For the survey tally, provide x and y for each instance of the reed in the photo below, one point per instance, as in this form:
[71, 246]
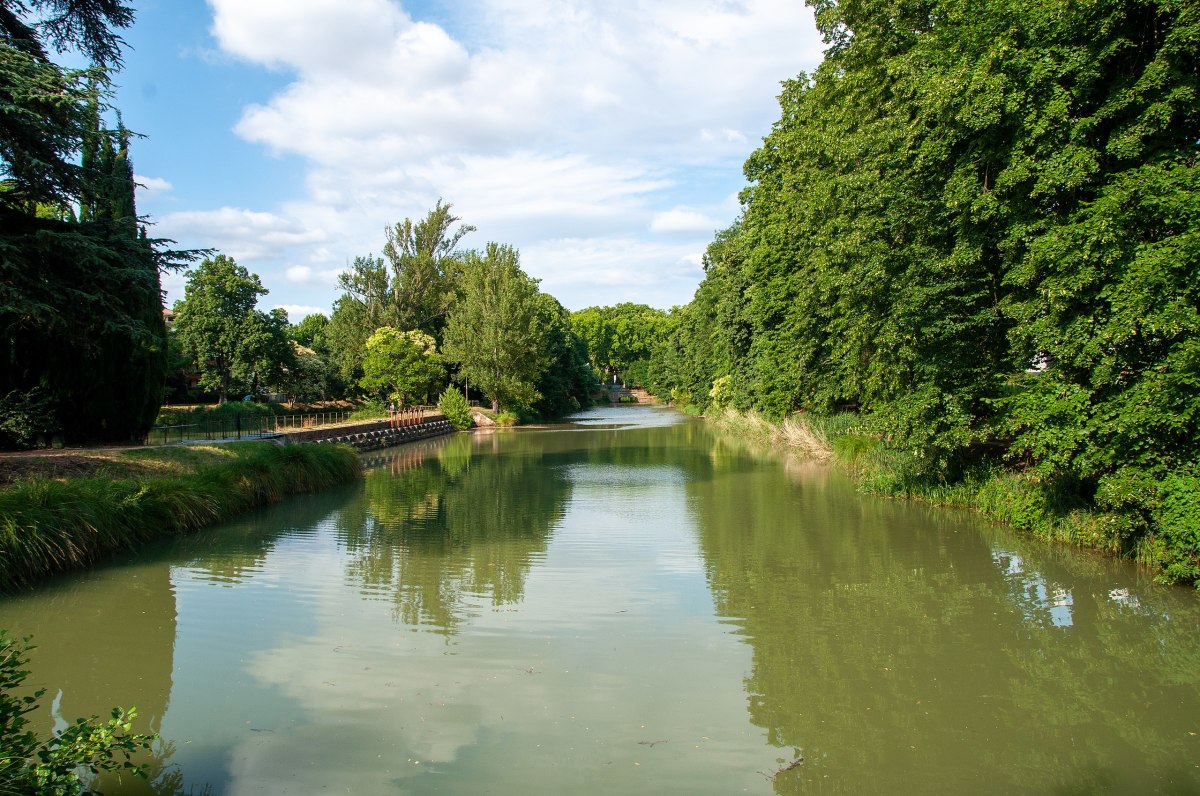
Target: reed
[49, 525]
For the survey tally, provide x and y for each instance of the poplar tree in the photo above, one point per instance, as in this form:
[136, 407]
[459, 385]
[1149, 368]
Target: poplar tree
[495, 333]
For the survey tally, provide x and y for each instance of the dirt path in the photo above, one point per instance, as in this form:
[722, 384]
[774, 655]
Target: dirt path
[61, 463]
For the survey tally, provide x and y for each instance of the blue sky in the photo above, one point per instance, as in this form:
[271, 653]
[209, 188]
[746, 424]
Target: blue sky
[604, 140]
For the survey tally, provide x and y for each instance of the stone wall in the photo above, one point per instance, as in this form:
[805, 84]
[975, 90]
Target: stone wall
[373, 434]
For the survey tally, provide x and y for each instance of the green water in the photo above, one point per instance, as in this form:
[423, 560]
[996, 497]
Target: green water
[626, 604]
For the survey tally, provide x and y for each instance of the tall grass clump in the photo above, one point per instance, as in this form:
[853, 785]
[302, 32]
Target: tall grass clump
[49, 526]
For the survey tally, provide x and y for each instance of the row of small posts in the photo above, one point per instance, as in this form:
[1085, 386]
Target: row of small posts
[405, 416]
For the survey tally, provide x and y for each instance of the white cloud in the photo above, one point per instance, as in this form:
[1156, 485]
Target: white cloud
[240, 233]
[151, 186]
[724, 135]
[306, 275]
[584, 272]
[542, 121]
[681, 219]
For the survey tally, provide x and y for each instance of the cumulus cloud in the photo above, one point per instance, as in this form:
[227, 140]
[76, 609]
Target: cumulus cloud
[584, 272]
[542, 121]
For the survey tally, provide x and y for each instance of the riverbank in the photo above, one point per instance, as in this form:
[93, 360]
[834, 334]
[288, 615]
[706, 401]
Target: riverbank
[1168, 543]
[66, 511]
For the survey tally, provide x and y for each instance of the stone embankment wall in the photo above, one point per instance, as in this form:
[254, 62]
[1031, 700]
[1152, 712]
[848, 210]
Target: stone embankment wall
[374, 434]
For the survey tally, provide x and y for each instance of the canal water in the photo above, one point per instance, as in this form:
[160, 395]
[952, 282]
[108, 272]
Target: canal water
[627, 603]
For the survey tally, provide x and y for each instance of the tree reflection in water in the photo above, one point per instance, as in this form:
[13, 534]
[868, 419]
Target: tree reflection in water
[901, 648]
[438, 527]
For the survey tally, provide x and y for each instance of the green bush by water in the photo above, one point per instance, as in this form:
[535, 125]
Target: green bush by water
[374, 409]
[50, 526]
[454, 406]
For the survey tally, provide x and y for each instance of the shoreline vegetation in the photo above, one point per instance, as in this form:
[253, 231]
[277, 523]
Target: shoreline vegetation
[57, 518]
[1010, 496]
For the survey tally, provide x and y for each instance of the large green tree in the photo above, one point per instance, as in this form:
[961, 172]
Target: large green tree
[357, 314]
[403, 365]
[495, 333]
[81, 331]
[621, 338]
[976, 223]
[565, 385]
[45, 109]
[413, 286]
[424, 262]
[231, 342]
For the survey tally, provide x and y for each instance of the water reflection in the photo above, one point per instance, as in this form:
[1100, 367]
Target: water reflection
[88, 664]
[440, 523]
[894, 647]
[634, 607]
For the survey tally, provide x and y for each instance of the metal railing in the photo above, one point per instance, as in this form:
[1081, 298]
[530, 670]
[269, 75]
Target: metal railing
[243, 427]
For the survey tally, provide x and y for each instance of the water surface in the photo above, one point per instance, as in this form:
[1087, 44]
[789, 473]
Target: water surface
[624, 604]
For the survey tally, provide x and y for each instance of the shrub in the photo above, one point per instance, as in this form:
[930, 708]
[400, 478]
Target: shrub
[1178, 524]
[455, 407]
[506, 419]
[27, 420]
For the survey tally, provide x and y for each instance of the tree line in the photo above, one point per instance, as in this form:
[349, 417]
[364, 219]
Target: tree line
[422, 316]
[976, 225]
[85, 353]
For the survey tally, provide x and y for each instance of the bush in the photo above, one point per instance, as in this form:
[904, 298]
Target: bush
[506, 419]
[31, 766]
[1178, 524]
[178, 416]
[455, 407]
[27, 420]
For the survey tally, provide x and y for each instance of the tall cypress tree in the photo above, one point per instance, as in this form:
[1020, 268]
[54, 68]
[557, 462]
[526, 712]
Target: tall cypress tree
[81, 332]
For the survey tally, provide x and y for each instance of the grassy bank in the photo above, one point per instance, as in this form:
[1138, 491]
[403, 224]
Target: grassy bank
[1167, 541]
[61, 513]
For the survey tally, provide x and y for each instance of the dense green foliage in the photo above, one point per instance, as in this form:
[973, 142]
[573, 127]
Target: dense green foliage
[179, 415]
[977, 225]
[413, 286]
[402, 366]
[566, 383]
[511, 342]
[31, 766]
[80, 304]
[620, 339]
[424, 262]
[49, 526]
[232, 343]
